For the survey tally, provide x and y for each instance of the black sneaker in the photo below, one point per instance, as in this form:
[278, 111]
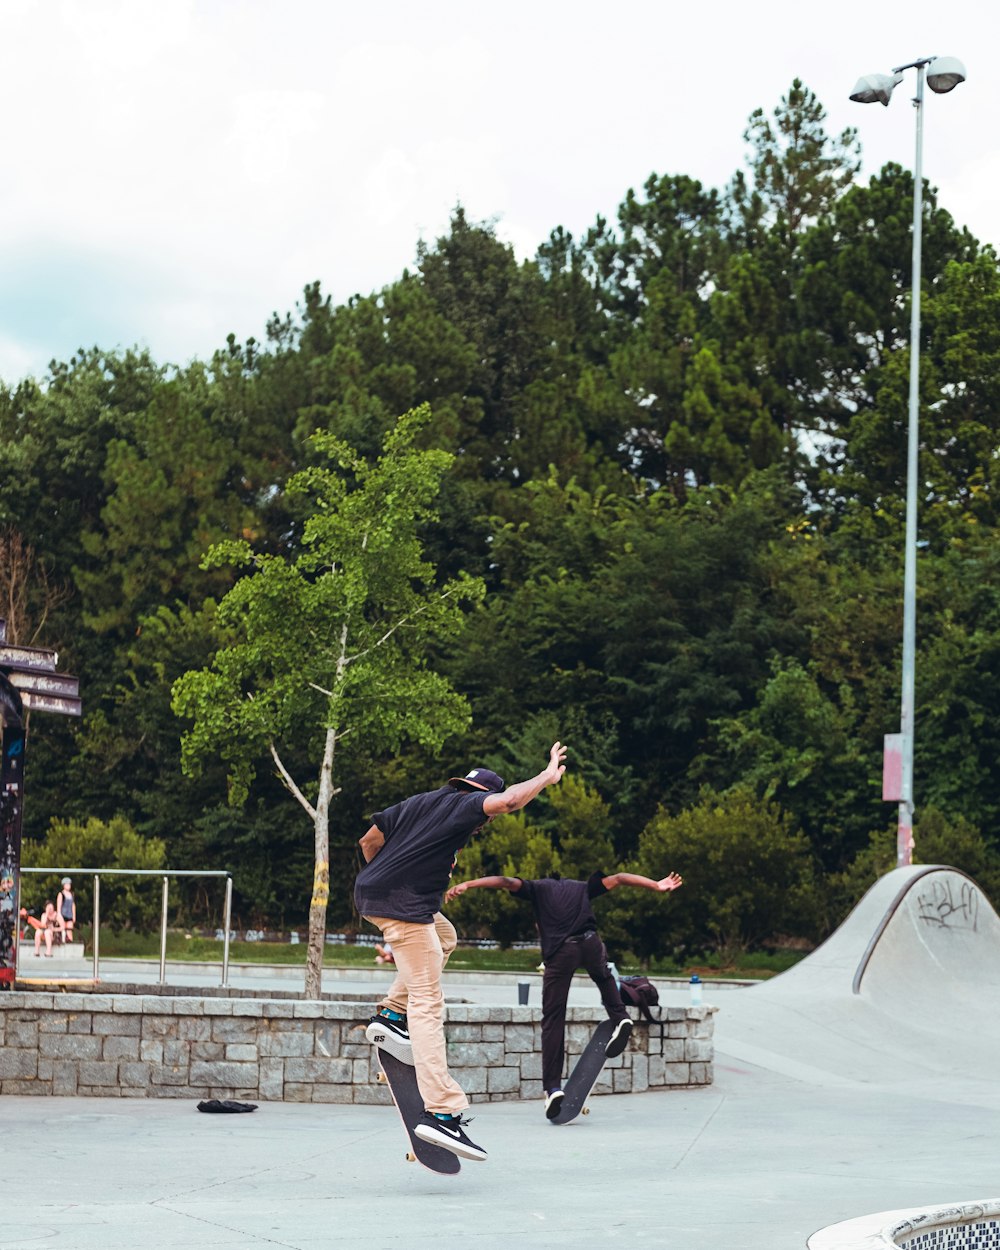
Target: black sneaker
[619, 1039]
[392, 1036]
[449, 1134]
[553, 1102]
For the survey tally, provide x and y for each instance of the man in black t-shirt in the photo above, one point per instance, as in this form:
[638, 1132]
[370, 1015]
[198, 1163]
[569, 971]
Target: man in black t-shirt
[410, 852]
[568, 932]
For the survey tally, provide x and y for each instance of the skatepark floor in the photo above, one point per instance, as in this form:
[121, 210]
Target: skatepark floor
[817, 1115]
[754, 1162]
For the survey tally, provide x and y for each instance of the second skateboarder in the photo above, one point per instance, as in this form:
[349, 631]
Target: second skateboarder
[568, 932]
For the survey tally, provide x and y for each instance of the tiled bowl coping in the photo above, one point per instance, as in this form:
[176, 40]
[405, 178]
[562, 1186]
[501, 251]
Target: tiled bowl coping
[141, 1045]
[964, 1226]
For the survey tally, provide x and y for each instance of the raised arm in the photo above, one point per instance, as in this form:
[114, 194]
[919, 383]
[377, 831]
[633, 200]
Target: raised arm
[484, 883]
[670, 882]
[520, 795]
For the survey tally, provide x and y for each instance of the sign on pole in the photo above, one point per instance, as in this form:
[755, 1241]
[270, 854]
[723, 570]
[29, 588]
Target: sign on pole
[28, 682]
[892, 768]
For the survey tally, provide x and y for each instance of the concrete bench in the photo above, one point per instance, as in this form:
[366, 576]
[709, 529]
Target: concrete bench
[60, 948]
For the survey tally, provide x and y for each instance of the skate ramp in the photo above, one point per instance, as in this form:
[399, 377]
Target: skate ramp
[905, 989]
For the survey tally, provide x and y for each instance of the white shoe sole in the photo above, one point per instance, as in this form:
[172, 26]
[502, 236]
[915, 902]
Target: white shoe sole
[553, 1105]
[389, 1041]
[426, 1133]
[619, 1042]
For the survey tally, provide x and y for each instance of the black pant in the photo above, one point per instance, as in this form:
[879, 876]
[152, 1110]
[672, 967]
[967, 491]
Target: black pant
[587, 952]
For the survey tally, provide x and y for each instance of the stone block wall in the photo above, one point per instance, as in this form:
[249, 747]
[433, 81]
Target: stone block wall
[158, 1046]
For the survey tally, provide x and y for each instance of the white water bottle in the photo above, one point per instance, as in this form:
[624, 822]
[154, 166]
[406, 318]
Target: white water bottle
[695, 988]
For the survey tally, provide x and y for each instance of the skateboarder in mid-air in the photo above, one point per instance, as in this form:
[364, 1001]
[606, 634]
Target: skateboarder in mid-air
[570, 940]
[410, 852]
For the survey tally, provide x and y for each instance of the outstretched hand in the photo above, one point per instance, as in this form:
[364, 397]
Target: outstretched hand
[557, 766]
[670, 882]
[455, 891]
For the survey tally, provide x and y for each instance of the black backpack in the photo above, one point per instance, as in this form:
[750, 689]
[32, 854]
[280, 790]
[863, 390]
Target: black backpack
[639, 992]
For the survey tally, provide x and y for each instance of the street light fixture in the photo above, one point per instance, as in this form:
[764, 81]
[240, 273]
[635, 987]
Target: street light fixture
[943, 74]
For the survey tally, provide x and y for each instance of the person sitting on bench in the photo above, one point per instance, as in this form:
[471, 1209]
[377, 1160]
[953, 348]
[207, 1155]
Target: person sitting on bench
[47, 926]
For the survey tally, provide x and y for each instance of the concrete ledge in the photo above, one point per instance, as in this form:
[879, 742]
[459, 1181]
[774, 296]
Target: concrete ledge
[60, 951]
[302, 1050]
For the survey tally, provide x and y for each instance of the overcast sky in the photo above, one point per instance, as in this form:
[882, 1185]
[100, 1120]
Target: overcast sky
[176, 170]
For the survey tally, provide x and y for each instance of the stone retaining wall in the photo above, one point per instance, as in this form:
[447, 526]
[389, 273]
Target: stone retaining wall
[158, 1046]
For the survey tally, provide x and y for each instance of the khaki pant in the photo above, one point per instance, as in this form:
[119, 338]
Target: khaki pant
[421, 952]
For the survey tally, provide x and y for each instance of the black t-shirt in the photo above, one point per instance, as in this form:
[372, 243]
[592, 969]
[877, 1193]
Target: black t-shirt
[562, 908]
[423, 834]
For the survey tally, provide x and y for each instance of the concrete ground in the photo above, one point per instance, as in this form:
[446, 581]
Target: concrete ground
[825, 1107]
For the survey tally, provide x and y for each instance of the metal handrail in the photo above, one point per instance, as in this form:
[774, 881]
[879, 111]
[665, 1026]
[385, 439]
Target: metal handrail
[146, 872]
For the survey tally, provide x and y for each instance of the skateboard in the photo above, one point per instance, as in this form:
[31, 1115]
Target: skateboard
[584, 1076]
[402, 1081]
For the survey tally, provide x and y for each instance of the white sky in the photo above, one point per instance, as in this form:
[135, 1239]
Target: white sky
[173, 170]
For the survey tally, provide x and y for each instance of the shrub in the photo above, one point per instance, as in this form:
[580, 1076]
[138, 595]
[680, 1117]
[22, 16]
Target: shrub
[126, 902]
[747, 875]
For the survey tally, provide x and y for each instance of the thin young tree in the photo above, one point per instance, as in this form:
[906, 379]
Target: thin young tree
[334, 641]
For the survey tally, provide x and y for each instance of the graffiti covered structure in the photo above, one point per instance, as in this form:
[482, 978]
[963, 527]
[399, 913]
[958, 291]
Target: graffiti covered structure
[28, 680]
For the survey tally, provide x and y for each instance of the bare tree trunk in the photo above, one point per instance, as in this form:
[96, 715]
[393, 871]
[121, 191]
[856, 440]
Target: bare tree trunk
[321, 873]
[25, 590]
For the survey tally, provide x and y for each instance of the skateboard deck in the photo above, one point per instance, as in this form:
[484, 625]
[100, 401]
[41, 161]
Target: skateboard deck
[402, 1081]
[584, 1076]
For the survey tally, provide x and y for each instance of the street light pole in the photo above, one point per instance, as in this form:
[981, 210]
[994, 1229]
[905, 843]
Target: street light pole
[945, 73]
[904, 828]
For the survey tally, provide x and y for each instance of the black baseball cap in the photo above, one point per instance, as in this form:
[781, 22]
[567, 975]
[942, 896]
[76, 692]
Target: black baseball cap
[478, 779]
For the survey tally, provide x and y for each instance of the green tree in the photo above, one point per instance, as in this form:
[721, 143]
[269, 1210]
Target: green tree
[852, 291]
[652, 276]
[175, 486]
[27, 595]
[584, 829]
[748, 876]
[690, 615]
[511, 848]
[957, 843]
[958, 681]
[938, 839]
[960, 416]
[53, 446]
[332, 644]
[126, 902]
[798, 171]
[798, 746]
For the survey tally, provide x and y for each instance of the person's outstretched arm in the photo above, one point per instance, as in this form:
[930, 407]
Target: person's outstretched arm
[520, 795]
[671, 882]
[484, 883]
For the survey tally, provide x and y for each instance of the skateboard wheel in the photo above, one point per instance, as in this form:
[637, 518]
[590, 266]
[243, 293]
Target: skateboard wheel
[410, 1157]
[381, 1077]
[586, 1111]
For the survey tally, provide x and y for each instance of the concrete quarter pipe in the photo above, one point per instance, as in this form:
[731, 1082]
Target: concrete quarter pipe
[907, 987]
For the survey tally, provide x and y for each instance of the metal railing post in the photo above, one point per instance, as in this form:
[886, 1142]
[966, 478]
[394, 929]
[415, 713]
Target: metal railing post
[163, 933]
[79, 872]
[97, 926]
[225, 932]
[17, 926]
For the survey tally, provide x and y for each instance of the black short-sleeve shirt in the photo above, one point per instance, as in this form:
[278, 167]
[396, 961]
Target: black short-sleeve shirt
[423, 835]
[562, 908]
